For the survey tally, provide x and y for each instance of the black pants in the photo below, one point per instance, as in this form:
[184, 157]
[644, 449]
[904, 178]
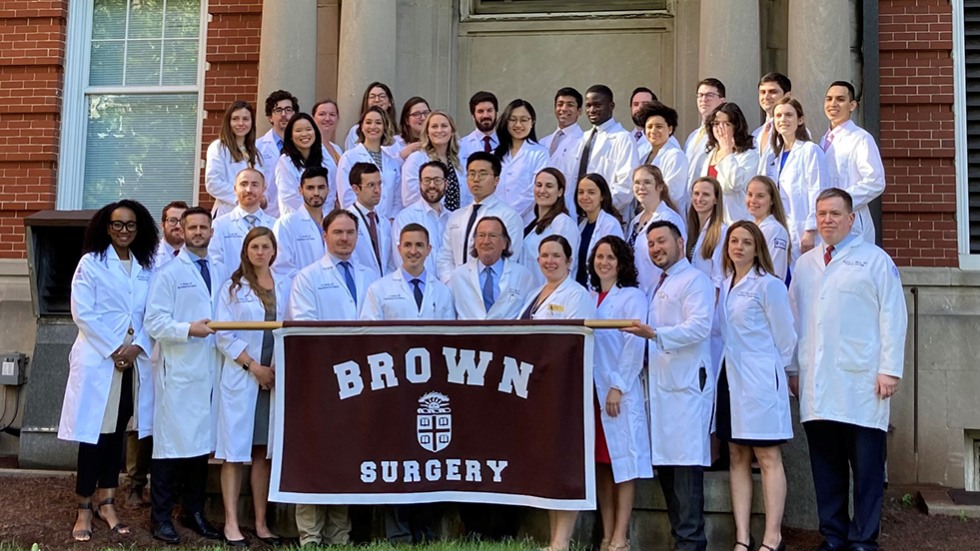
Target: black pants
[184, 476]
[414, 524]
[836, 450]
[99, 464]
[487, 521]
[683, 488]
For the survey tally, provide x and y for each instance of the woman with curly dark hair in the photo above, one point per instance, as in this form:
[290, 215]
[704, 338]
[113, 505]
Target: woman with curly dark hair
[732, 157]
[108, 298]
[622, 438]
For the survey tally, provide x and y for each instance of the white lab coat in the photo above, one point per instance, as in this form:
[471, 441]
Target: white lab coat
[734, 173]
[565, 158]
[649, 274]
[695, 149]
[351, 141]
[225, 250]
[569, 301]
[777, 241]
[269, 148]
[605, 224]
[516, 187]
[618, 363]
[299, 237]
[851, 319]
[165, 253]
[391, 180]
[410, 180]
[681, 407]
[757, 326]
[712, 267]
[238, 389]
[220, 172]
[184, 419]
[854, 165]
[801, 179]
[474, 142]
[288, 180]
[562, 225]
[320, 293]
[364, 249]
[451, 253]
[434, 222]
[614, 156]
[674, 165]
[764, 149]
[514, 284]
[105, 302]
[393, 298]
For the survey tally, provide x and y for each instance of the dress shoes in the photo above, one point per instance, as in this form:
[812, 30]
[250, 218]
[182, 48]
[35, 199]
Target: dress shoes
[199, 524]
[827, 546]
[239, 544]
[166, 532]
[271, 541]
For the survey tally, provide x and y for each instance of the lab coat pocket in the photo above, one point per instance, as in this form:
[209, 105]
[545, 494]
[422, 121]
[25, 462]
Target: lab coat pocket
[854, 354]
[674, 375]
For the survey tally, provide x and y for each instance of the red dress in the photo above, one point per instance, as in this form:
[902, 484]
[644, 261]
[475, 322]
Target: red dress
[601, 449]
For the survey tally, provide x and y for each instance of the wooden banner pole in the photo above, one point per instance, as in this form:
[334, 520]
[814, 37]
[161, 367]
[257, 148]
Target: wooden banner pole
[270, 325]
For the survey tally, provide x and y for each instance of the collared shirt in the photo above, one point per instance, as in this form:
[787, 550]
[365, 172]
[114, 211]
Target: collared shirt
[409, 277]
[498, 270]
[843, 243]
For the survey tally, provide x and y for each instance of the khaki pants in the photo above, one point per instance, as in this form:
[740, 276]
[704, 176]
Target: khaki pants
[138, 453]
[310, 520]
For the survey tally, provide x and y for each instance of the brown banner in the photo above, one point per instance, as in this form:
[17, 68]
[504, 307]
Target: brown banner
[402, 414]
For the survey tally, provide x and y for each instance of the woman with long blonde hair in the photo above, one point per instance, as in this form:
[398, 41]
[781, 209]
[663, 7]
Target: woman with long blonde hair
[439, 142]
[766, 209]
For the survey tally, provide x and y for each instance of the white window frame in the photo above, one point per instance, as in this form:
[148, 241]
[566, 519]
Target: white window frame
[74, 111]
[960, 162]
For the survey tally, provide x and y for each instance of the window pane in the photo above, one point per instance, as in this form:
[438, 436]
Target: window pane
[107, 63]
[183, 19]
[109, 19]
[140, 147]
[143, 63]
[145, 19]
[179, 62]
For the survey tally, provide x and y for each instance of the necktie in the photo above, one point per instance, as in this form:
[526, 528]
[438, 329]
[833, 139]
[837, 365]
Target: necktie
[828, 254]
[373, 230]
[469, 227]
[486, 144]
[554, 143]
[452, 190]
[828, 139]
[279, 143]
[417, 291]
[349, 279]
[660, 282]
[583, 163]
[251, 220]
[488, 288]
[202, 265]
[176, 252]
[637, 135]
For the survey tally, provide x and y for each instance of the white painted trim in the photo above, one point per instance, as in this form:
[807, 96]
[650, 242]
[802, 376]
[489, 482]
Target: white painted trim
[136, 90]
[202, 67]
[967, 261]
[467, 13]
[971, 478]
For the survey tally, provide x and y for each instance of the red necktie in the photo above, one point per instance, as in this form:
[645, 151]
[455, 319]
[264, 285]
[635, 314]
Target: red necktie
[373, 232]
[486, 144]
[827, 254]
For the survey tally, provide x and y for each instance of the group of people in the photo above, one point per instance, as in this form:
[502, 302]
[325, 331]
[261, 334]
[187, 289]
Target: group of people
[746, 258]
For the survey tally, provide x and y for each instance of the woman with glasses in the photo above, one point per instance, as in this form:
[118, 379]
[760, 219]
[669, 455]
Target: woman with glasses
[111, 351]
[439, 142]
[233, 151]
[302, 148]
[373, 136]
[377, 94]
[409, 140]
[732, 158]
[521, 157]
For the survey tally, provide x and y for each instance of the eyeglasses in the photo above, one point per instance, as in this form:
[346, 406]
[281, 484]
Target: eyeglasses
[283, 110]
[116, 225]
[172, 221]
[482, 235]
[479, 175]
[707, 95]
[369, 185]
[522, 120]
[419, 115]
[436, 180]
[378, 97]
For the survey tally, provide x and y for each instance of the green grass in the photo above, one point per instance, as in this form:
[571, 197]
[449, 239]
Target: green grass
[381, 546]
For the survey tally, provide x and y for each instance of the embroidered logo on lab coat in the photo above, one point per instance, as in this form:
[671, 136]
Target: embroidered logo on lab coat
[434, 423]
[557, 308]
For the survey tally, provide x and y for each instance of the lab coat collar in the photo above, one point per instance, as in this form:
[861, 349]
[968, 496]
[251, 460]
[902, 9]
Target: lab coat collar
[608, 126]
[678, 267]
[571, 131]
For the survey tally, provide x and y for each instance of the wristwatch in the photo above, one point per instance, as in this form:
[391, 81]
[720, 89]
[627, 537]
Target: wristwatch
[246, 365]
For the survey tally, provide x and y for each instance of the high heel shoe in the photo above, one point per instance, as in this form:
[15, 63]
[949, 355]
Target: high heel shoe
[780, 547]
[750, 546]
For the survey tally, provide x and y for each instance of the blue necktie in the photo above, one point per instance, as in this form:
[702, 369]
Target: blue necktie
[349, 278]
[202, 265]
[488, 289]
[417, 292]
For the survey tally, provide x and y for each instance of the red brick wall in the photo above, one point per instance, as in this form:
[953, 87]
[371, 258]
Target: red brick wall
[919, 205]
[233, 52]
[32, 59]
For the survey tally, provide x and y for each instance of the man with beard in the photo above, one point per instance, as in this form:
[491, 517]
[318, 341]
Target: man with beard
[178, 309]
[681, 393]
[299, 234]
[140, 447]
[483, 107]
[428, 212]
[230, 229]
[563, 143]
[607, 149]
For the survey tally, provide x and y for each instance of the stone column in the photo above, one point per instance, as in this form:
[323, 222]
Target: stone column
[367, 54]
[286, 59]
[819, 53]
[730, 51]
